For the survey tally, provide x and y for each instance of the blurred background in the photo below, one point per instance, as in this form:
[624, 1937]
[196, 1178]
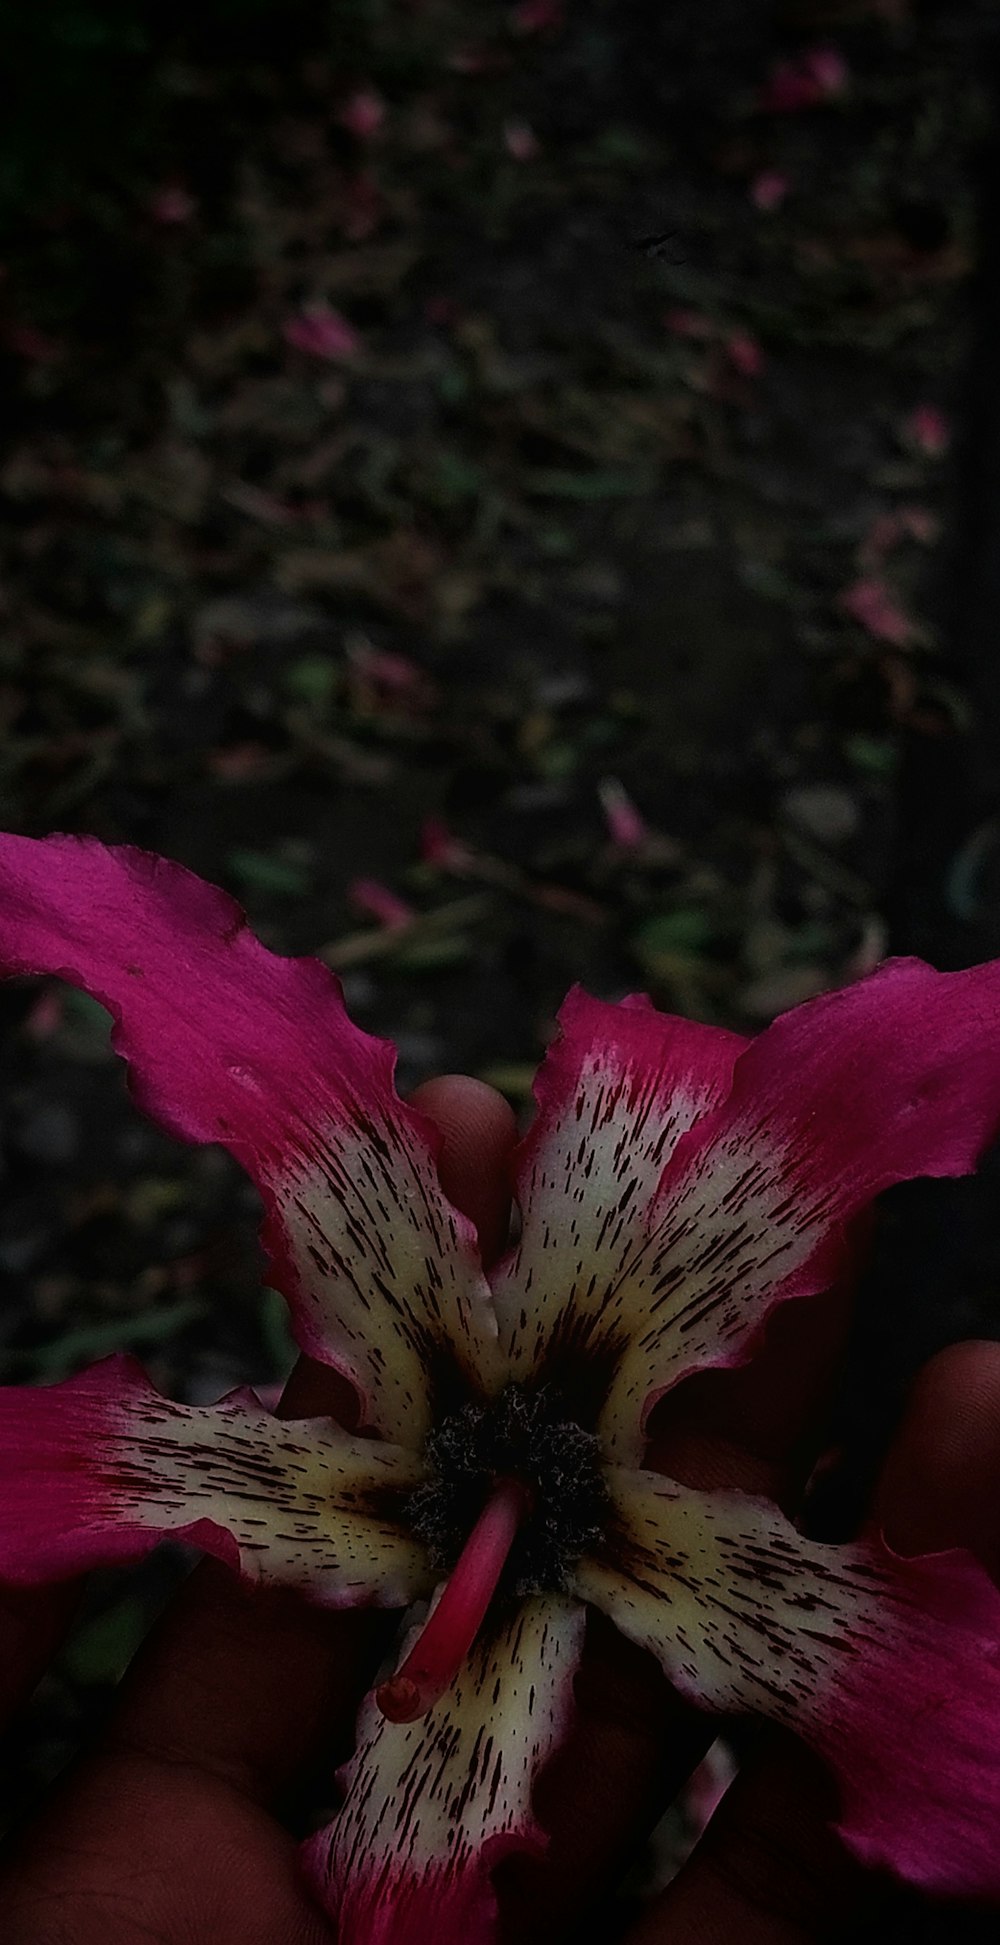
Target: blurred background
[511, 492]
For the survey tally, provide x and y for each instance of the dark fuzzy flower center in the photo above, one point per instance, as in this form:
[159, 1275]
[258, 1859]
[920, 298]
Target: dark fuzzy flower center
[518, 1436]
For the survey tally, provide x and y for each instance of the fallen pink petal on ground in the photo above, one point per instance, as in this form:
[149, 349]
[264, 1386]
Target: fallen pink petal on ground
[321, 332]
[769, 190]
[927, 428]
[872, 602]
[520, 141]
[626, 826]
[363, 114]
[381, 903]
[745, 354]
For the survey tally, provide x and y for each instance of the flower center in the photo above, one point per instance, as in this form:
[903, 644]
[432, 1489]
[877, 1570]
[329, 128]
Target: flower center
[519, 1436]
[516, 1498]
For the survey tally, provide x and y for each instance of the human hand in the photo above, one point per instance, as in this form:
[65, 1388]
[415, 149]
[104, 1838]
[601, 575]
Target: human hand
[171, 1829]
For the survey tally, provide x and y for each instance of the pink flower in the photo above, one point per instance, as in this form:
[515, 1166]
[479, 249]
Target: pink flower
[377, 901]
[927, 428]
[172, 206]
[769, 189]
[627, 830]
[872, 602]
[520, 141]
[363, 114]
[692, 1181]
[818, 74]
[745, 354]
[321, 332]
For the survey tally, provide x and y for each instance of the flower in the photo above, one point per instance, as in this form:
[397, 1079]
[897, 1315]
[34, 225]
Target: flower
[677, 1183]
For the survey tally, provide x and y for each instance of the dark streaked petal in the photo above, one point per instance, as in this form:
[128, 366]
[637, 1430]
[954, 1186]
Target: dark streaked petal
[100, 1468]
[888, 1668]
[228, 1042]
[617, 1089]
[433, 1805]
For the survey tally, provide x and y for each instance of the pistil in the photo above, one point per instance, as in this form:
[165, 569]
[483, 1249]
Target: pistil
[453, 1623]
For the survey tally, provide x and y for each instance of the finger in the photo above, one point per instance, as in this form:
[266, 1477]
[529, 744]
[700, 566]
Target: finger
[769, 1869]
[478, 1132]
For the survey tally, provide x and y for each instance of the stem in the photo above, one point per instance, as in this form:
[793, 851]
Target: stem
[455, 1620]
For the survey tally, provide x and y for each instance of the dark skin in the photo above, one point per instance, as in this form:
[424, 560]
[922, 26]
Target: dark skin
[167, 1831]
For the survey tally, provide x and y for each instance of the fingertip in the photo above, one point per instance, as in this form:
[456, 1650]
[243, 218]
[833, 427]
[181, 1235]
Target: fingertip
[938, 1484]
[478, 1131]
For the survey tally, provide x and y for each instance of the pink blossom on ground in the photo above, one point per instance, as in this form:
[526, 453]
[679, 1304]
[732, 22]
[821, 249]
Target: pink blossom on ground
[626, 827]
[382, 904]
[534, 16]
[927, 428]
[363, 114]
[873, 603]
[828, 69]
[321, 332]
[818, 74]
[769, 189]
[172, 206]
[441, 848]
[520, 141]
[745, 354]
[391, 672]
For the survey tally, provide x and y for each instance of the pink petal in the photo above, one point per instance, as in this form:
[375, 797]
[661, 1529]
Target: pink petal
[769, 189]
[363, 114]
[894, 1077]
[872, 602]
[433, 1805]
[828, 68]
[381, 903]
[98, 1469]
[889, 1668]
[520, 141]
[927, 428]
[818, 74]
[231, 1043]
[627, 829]
[745, 354]
[320, 332]
[439, 847]
[616, 1091]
